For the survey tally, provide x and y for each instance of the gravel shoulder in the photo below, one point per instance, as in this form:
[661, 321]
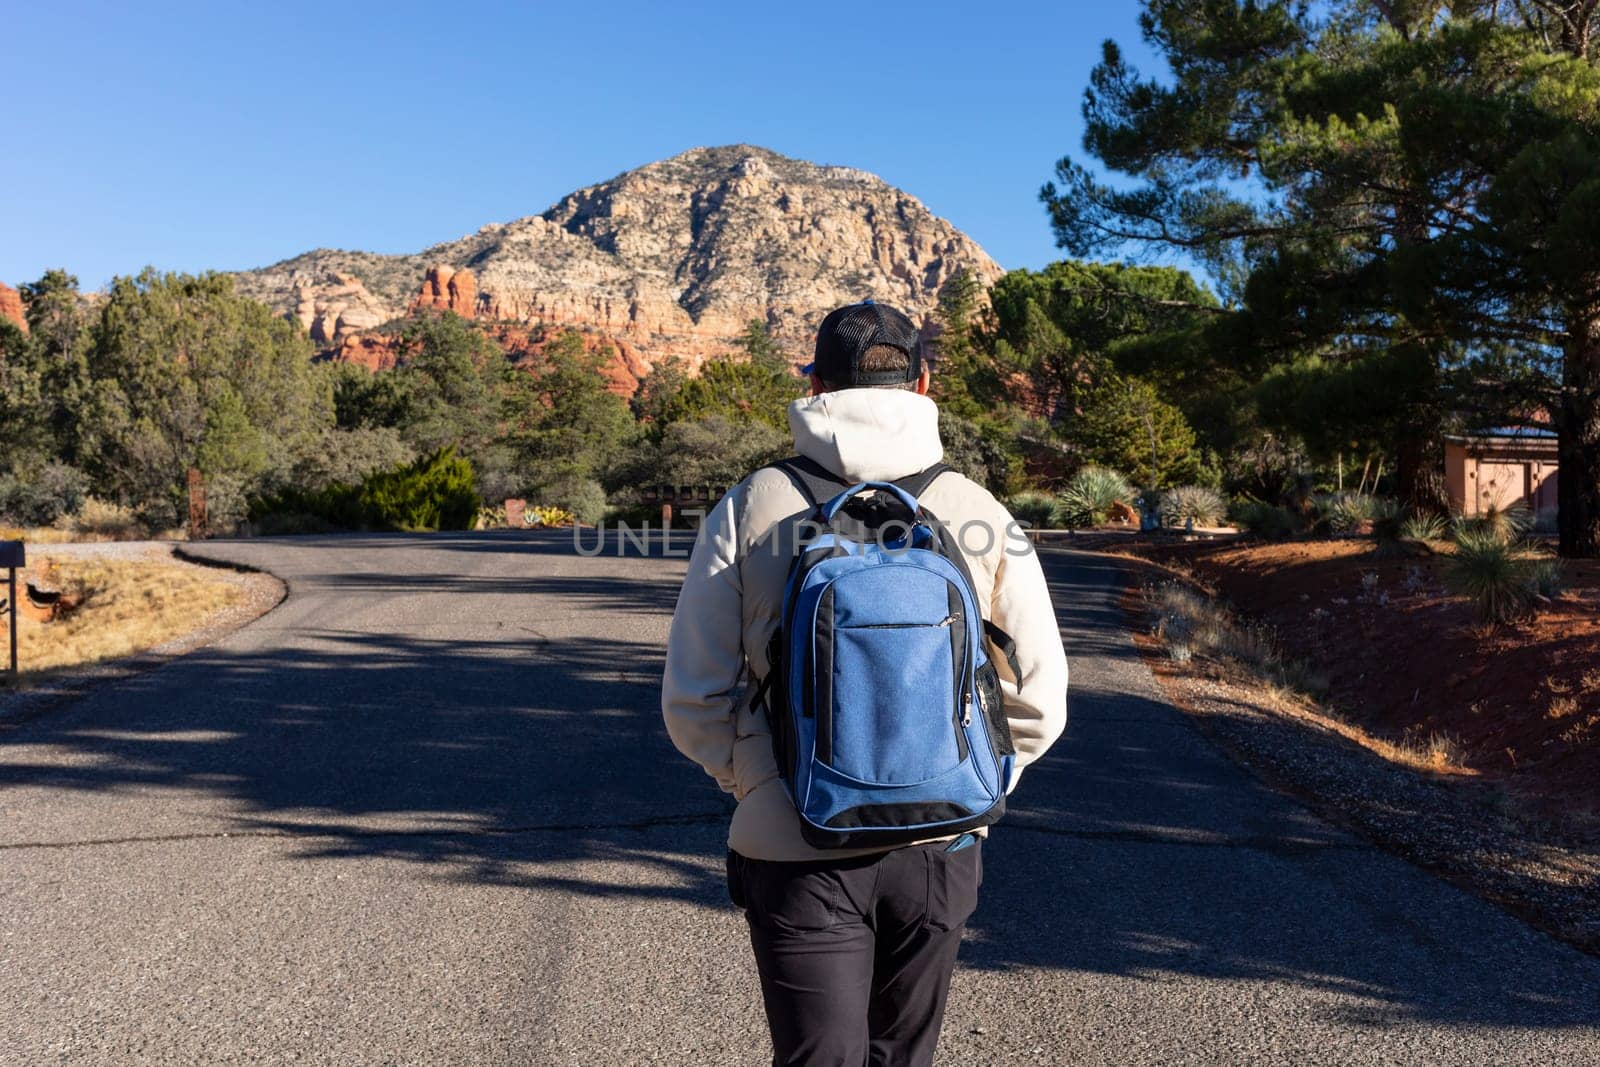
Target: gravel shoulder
[260, 593]
[1468, 831]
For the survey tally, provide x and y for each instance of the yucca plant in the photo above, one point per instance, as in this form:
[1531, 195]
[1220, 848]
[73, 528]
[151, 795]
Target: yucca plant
[1423, 526]
[1343, 512]
[1488, 571]
[1092, 493]
[1038, 510]
[1200, 504]
[1507, 524]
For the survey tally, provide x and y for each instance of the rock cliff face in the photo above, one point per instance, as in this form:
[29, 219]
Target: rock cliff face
[671, 260]
[11, 306]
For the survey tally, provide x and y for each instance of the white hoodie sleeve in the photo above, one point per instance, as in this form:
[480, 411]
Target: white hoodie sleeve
[705, 657]
[1035, 703]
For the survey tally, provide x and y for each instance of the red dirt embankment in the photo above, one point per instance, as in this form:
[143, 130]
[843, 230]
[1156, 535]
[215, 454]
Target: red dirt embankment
[1406, 660]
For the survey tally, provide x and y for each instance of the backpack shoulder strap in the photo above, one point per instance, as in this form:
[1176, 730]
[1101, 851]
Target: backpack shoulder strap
[818, 483]
[815, 482]
[917, 484]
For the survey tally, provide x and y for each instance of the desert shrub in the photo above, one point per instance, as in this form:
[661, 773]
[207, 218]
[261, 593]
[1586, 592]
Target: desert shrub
[437, 492]
[1090, 496]
[101, 518]
[1265, 520]
[1038, 510]
[1423, 526]
[1547, 578]
[584, 498]
[345, 457]
[227, 502]
[490, 518]
[714, 451]
[1267, 468]
[1488, 571]
[1385, 514]
[42, 496]
[984, 452]
[1204, 506]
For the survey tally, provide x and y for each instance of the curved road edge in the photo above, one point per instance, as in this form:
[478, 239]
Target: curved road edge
[264, 592]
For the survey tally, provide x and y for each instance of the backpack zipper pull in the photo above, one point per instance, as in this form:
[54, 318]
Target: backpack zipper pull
[966, 709]
[953, 617]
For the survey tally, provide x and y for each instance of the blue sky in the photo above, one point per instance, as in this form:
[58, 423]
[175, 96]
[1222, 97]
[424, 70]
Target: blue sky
[230, 136]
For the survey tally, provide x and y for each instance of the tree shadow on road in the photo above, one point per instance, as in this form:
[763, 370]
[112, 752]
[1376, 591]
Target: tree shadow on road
[517, 758]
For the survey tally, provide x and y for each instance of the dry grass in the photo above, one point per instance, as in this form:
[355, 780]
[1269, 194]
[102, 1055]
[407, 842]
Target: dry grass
[1190, 623]
[129, 605]
[1562, 707]
[96, 521]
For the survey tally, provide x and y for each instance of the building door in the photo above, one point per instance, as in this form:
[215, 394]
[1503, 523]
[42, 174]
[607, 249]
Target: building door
[1501, 485]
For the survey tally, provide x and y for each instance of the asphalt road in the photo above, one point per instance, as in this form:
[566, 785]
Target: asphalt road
[424, 812]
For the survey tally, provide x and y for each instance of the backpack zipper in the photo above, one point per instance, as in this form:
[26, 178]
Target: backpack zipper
[946, 621]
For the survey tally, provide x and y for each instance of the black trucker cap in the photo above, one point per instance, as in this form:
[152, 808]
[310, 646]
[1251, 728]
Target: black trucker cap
[849, 331]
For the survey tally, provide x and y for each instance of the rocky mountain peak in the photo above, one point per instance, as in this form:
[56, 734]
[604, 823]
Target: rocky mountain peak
[671, 260]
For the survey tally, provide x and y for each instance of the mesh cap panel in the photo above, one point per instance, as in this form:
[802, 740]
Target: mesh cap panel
[847, 333]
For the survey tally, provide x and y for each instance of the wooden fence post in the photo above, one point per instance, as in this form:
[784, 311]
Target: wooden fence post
[197, 505]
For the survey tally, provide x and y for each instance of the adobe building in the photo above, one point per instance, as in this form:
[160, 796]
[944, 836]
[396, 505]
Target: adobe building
[1501, 467]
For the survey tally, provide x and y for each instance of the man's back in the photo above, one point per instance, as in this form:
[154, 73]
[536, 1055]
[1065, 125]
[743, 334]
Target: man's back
[733, 596]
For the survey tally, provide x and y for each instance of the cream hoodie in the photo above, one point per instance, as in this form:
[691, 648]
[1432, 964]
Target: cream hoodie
[732, 596]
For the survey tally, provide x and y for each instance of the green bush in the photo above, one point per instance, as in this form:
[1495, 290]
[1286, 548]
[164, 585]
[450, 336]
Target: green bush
[436, 492]
[1091, 495]
[585, 498]
[1265, 520]
[1202, 505]
[40, 497]
[1038, 510]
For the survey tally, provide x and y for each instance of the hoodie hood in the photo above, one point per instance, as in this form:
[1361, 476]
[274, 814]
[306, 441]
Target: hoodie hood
[868, 435]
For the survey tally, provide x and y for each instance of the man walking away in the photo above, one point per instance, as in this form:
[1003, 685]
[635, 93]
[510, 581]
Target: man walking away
[856, 916]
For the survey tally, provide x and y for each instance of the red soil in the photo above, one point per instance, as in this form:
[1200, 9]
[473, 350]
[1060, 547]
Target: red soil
[1406, 660]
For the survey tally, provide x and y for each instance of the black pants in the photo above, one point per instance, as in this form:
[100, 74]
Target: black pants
[855, 955]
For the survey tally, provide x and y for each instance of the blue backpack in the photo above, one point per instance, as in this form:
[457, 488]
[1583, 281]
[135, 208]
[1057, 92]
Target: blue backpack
[885, 709]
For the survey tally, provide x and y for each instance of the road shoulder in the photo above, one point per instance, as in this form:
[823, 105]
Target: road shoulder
[1460, 829]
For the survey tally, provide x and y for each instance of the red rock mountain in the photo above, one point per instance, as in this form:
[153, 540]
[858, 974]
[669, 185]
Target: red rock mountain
[11, 306]
[671, 260]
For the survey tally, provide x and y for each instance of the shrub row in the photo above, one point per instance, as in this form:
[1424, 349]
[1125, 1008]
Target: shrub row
[437, 492]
